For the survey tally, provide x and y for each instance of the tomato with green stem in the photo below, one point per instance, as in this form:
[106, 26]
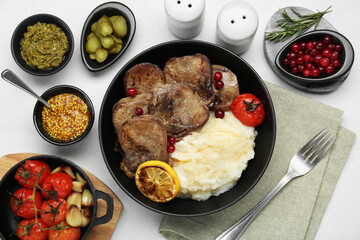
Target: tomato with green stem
[28, 172]
[57, 185]
[53, 211]
[28, 229]
[63, 231]
[248, 109]
[22, 202]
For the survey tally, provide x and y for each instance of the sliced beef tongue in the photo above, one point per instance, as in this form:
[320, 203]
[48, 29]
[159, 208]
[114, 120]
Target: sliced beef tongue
[142, 138]
[125, 108]
[195, 70]
[144, 77]
[226, 95]
[180, 109]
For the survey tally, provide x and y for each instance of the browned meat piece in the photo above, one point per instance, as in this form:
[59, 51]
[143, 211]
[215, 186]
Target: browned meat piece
[180, 109]
[195, 70]
[125, 108]
[142, 139]
[229, 92]
[144, 77]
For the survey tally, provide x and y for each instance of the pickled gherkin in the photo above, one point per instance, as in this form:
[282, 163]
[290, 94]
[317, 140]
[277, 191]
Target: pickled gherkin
[106, 37]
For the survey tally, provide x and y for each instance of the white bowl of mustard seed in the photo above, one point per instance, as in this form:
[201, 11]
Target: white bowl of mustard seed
[70, 118]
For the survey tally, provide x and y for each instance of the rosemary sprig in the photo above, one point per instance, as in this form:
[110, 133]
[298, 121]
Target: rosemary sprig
[290, 26]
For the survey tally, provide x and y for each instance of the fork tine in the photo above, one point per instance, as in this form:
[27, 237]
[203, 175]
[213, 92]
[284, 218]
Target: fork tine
[323, 149]
[307, 146]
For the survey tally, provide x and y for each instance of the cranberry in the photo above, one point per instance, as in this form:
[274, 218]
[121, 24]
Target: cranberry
[336, 63]
[139, 111]
[315, 72]
[309, 65]
[217, 76]
[306, 72]
[295, 70]
[172, 140]
[326, 52]
[300, 53]
[293, 63]
[219, 114]
[321, 69]
[291, 55]
[171, 148]
[307, 58]
[310, 45]
[326, 39]
[313, 52]
[329, 69]
[286, 61]
[300, 60]
[303, 45]
[320, 46]
[219, 84]
[338, 48]
[295, 47]
[301, 68]
[334, 55]
[131, 91]
[324, 62]
[331, 47]
[317, 58]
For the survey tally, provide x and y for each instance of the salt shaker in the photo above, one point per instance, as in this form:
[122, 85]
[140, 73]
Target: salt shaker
[237, 23]
[185, 17]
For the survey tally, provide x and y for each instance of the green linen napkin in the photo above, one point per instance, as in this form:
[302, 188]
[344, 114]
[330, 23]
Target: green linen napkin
[296, 212]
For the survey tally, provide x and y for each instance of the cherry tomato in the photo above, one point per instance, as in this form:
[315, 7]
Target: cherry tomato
[22, 205]
[26, 173]
[248, 109]
[57, 185]
[63, 231]
[53, 211]
[29, 230]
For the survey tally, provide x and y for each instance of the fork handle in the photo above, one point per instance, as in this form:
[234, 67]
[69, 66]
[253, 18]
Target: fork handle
[238, 228]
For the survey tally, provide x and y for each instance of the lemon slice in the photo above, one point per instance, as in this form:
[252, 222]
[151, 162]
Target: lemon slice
[157, 181]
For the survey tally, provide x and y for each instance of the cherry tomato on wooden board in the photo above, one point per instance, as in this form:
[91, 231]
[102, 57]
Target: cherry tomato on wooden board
[248, 109]
[22, 205]
[63, 231]
[27, 174]
[57, 185]
[53, 211]
[29, 230]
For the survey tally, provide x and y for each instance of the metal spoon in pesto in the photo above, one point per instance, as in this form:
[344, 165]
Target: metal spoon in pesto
[10, 77]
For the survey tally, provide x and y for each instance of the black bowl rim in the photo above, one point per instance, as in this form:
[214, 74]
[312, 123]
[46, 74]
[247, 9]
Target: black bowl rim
[58, 22]
[114, 5]
[88, 102]
[349, 52]
[174, 42]
[73, 166]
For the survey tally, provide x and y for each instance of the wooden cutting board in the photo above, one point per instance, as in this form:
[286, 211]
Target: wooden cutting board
[103, 231]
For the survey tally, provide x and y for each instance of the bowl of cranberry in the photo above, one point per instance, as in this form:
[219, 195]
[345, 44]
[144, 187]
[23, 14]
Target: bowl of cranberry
[320, 56]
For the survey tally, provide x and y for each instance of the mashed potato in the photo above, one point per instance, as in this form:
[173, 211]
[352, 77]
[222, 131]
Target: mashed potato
[211, 161]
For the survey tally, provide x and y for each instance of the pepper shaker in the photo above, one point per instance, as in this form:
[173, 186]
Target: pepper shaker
[237, 23]
[185, 17]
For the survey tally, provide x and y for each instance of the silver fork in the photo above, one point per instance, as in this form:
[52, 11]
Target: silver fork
[301, 163]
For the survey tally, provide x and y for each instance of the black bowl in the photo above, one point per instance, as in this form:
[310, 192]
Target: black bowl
[346, 57]
[249, 81]
[19, 34]
[109, 9]
[9, 185]
[51, 93]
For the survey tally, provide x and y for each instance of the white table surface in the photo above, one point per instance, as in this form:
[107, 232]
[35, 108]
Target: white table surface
[342, 217]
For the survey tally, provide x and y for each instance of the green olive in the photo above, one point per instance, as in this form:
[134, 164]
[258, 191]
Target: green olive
[101, 55]
[93, 44]
[120, 27]
[107, 42]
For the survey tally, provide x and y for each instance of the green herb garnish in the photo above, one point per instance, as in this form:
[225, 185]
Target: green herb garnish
[291, 26]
